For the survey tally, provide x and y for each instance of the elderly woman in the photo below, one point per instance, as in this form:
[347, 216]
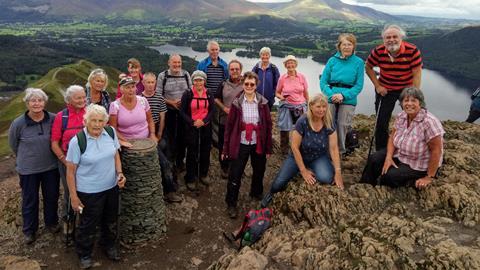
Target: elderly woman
[248, 133]
[67, 123]
[314, 150]
[341, 82]
[29, 138]
[268, 75]
[96, 88]
[130, 115]
[135, 72]
[414, 150]
[94, 174]
[292, 90]
[197, 109]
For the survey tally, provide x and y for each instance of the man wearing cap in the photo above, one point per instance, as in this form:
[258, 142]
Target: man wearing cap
[400, 66]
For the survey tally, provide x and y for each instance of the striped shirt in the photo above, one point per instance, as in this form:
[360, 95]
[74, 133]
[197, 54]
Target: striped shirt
[214, 78]
[411, 142]
[250, 115]
[157, 105]
[396, 73]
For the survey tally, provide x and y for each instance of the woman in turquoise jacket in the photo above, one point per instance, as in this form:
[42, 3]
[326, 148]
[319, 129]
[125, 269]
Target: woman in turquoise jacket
[341, 82]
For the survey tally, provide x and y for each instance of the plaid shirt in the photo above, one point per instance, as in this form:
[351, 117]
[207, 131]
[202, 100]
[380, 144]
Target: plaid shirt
[249, 116]
[411, 143]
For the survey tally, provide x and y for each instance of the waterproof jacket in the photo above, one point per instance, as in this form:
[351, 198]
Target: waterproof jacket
[186, 111]
[202, 65]
[268, 81]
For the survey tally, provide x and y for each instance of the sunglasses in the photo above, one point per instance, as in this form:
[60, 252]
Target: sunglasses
[249, 84]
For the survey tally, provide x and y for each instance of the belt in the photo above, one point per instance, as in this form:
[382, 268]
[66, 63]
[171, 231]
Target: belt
[341, 85]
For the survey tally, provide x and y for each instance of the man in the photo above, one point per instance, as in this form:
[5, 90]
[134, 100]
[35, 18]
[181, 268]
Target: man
[172, 83]
[400, 66]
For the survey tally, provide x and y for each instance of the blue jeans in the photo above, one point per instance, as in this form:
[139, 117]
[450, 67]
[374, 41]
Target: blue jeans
[322, 168]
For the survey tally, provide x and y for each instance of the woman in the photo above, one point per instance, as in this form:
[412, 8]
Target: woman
[248, 133]
[341, 82]
[292, 90]
[29, 138]
[67, 123]
[414, 150]
[268, 74]
[96, 88]
[94, 175]
[314, 150]
[135, 72]
[197, 109]
[130, 115]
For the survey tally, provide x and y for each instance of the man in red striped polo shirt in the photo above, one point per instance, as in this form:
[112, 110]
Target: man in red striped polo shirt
[400, 66]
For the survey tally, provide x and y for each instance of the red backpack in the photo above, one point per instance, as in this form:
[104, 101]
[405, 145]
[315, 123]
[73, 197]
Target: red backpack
[255, 223]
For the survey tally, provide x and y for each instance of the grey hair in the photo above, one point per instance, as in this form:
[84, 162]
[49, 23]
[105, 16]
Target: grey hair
[34, 92]
[265, 50]
[414, 92]
[212, 42]
[94, 109]
[175, 55]
[72, 89]
[402, 32]
[97, 72]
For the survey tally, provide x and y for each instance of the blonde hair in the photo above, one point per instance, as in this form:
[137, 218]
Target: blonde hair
[327, 119]
[96, 73]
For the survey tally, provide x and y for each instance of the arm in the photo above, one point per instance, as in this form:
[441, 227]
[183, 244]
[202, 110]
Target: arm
[57, 150]
[417, 76]
[390, 151]
[307, 175]
[56, 138]
[161, 125]
[349, 93]
[118, 168]
[435, 148]
[335, 155]
[305, 91]
[151, 126]
[13, 137]
[184, 109]
[113, 121]
[231, 120]
[373, 77]
[277, 75]
[72, 188]
[278, 91]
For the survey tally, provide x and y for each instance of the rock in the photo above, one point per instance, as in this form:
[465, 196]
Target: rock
[196, 261]
[18, 263]
[248, 259]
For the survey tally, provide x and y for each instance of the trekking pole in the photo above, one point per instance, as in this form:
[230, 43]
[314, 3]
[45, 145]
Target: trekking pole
[374, 128]
[67, 233]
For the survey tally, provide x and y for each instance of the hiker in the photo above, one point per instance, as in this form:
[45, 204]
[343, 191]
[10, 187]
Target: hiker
[268, 75]
[130, 115]
[172, 83]
[314, 150]
[94, 177]
[292, 90]
[474, 112]
[248, 133]
[400, 66]
[135, 72]
[415, 147]
[158, 110]
[67, 123]
[96, 88]
[214, 67]
[341, 82]
[36, 165]
[225, 94]
[197, 109]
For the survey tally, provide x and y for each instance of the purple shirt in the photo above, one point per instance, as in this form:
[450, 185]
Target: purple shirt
[132, 124]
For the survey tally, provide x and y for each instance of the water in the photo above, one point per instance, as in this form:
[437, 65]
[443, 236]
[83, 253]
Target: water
[444, 98]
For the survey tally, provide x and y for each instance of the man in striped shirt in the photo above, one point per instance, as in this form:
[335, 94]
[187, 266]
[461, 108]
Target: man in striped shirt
[400, 66]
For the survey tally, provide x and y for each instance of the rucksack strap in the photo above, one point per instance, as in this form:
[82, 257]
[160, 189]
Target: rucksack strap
[82, 138]
[166, 76]
[64, 119]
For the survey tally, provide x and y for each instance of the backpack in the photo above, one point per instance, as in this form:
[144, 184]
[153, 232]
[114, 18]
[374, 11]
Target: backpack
[65, 123]
[255, 223]
[351, 141]
[82, 138]
[476, 94]
[166, 76]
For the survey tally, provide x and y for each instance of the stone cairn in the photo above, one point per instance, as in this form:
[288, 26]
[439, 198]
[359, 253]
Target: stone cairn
[142, 207]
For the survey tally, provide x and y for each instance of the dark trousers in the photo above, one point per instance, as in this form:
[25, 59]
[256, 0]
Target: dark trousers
[237, 167]
[30, 184]
[100, 210]
[169, 180]
[198, 156]
[223, 163]
[66, 194]
[175, 129]
[383, 118]
[395, 177]
[473, 115]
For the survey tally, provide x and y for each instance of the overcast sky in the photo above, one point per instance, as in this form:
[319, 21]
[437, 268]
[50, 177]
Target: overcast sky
[462, 9]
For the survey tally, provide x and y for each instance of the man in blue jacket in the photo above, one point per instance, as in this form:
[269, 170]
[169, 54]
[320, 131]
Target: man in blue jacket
[215, 67]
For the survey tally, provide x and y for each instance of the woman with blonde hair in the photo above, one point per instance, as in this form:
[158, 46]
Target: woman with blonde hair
[96, 88]
[314, 150]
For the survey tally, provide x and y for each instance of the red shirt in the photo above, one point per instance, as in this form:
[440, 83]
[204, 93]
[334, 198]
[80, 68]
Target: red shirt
[199, 105]
[74, 125]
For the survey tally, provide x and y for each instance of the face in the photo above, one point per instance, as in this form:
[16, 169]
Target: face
[346, 48]
[129, 90]
[134, 71]
[392, 40]
[95, 124]
[291, 65]
[265, 57]
[319, 109]
[175, 64]
[213, 51]
[249, 86]
[78, 100]
[198, 83]
[97, 83]
[411, 105]
[234, 71]
[36, 104]
[149, 82]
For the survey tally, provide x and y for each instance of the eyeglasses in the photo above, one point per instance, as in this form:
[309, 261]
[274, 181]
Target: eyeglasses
[234, 69]
[249, 84]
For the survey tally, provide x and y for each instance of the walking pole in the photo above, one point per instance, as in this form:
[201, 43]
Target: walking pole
[67, 234]
[371, 140]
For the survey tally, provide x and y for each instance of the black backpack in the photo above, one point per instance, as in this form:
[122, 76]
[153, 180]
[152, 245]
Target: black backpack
[166, 76]
[82, 138]
[351, 141]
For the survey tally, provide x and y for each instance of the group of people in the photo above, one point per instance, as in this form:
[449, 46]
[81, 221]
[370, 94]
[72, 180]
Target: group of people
[178, 111]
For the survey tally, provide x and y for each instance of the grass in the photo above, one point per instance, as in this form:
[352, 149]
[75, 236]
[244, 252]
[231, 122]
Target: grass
[4, 148]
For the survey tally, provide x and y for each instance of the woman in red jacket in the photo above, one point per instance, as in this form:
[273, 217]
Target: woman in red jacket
[248, 133]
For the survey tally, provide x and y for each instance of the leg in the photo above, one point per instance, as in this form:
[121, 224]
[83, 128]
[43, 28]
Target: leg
[89, 220]
[50, 191]
[221, 133]
[373, 168]
[192, 152]
[386, 104]
[323, 169]
[288, 170]
[168, 181]
[473, 115]
[402, 176]
[181, 145]
[235, 175]
[205, 148]
[344, 122]
[30, 185]
[170, 129]
[109, 218]
[258, 162]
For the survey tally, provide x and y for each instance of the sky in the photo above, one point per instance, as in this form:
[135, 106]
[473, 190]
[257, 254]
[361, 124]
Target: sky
[459, 9]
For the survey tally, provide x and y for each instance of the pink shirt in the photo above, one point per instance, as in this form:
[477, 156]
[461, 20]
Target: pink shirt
[132, 124]
[293, 87]
[74, 125]
[411, 143]
[199, 107]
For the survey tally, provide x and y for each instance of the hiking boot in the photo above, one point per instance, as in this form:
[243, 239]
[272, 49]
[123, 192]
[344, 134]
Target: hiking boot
[191, 186]
[53, 229]
[28, 239]
[206, 181]
[86, 263]
[224, 173]
[232, 212]
[112, 254]
[180, 168]
[173, 197]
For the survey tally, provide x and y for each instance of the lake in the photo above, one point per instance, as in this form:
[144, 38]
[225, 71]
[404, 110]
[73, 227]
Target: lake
[444, 98]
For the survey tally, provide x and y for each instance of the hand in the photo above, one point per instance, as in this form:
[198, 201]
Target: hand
[122, 75]
[382, 91]
[76, 203]
[64, 160]
[423, 182]
[121, 180]
[269, 155]
[153, 137]
[226, 110]
[125, 144]
[387, 164]
[198, 123]
[337, 98]
[308, 176]
[177, 104]
[224, 157]
[338, 180]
